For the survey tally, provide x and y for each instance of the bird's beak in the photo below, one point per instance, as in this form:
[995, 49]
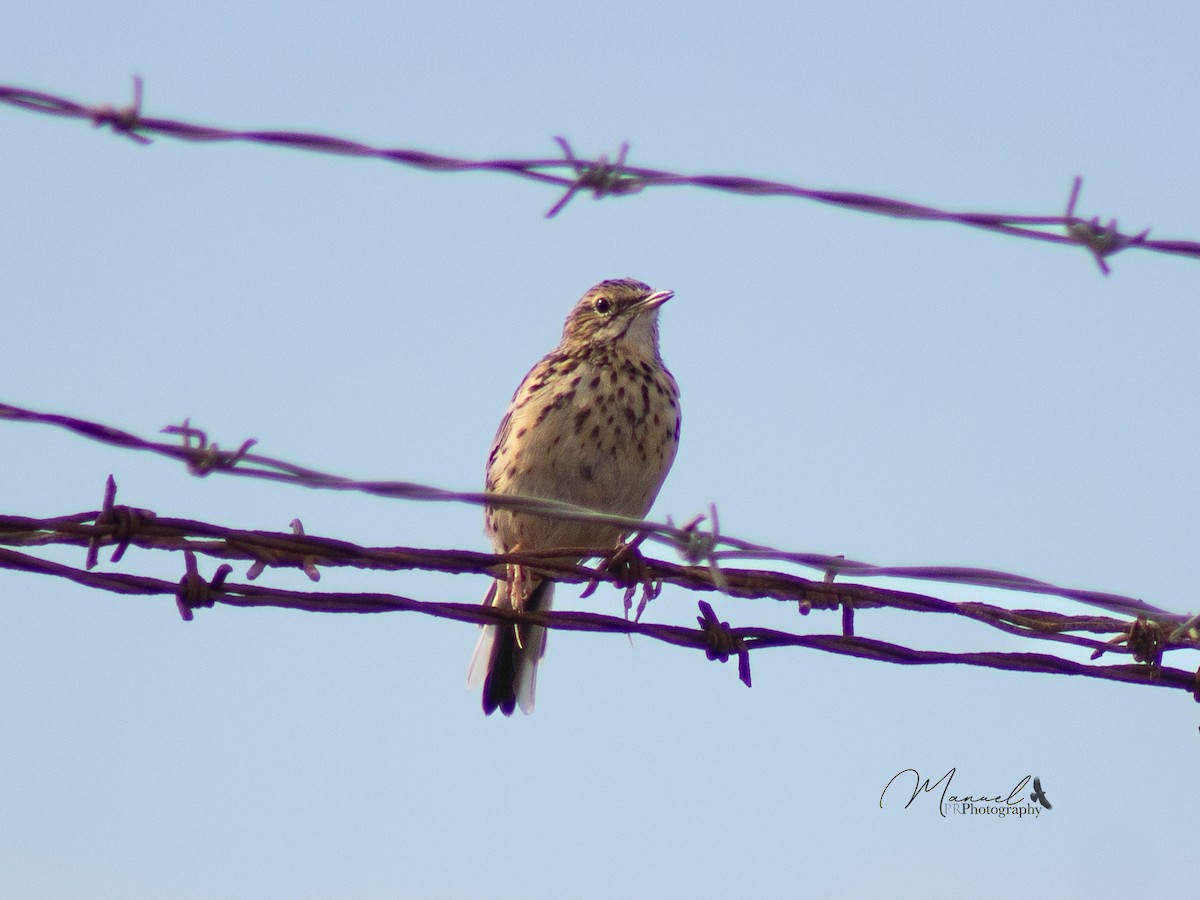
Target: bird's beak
[655, 300]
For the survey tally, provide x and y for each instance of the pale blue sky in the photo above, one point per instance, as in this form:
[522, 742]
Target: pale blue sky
[899, 392]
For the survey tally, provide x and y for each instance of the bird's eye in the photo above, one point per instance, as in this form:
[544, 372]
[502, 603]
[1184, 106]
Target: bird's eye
[603, 306]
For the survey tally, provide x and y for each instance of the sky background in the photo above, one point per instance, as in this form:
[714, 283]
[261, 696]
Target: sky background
[904, 393]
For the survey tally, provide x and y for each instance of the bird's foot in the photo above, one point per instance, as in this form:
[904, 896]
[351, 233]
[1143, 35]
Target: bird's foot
[630, 571]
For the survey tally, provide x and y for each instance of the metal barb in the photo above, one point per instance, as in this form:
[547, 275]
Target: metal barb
[721, 641]
[123, 520]
[194, 592]
[601, 177]
[124, 120]
[1101, 241]
[204, 458]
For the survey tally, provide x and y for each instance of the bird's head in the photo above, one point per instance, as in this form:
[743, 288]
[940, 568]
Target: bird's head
[621, 313]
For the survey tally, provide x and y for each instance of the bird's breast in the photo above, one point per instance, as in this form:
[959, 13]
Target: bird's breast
[599, 433]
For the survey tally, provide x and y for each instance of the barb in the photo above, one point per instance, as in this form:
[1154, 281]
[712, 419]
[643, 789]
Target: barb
[124, 120]
[193, 592]
[601, 178]
[722, 641]
[204, 457]
[616, 178]
[1102, 240]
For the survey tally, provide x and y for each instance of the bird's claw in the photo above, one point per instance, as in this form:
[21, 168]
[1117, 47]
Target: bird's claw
[629, 570]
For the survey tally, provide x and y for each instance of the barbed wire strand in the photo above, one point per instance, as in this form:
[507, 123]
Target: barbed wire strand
[717, 639]
[123, 527]
[604, 179]
[1153, 632]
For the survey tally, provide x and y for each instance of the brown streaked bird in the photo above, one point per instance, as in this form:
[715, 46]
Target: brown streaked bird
[594, 423]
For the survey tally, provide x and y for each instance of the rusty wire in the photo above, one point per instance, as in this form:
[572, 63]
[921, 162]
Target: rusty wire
[1146, 633]
[617, 178]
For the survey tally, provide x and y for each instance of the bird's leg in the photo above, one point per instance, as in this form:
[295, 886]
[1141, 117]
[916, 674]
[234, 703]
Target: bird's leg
[519, 589]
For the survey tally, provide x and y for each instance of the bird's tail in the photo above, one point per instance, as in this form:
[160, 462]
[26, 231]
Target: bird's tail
[506, 657]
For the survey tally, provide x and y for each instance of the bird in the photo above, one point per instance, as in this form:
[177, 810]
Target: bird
[594, 423]
[1039, 795]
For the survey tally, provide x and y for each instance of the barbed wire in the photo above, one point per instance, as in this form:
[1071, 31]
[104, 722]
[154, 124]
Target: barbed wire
[1146, 637]
[693, 543]
[604, 178]
[125, 526]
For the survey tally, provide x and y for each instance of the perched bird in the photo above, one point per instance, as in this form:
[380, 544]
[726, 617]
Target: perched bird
[594, 423]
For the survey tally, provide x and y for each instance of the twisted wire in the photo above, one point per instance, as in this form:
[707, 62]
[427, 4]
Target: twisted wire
[1140, 630]
[602, 178]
